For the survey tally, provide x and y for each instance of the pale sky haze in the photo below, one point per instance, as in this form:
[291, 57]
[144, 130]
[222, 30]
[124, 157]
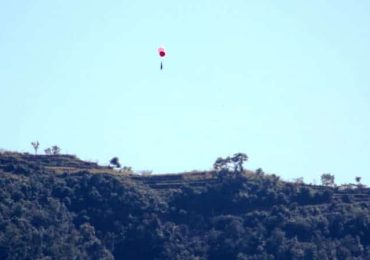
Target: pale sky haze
[286, 82]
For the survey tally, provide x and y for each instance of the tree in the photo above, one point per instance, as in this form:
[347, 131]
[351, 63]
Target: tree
[235, 163]
[55, 150]
[221, 163]
[260, 172]
[115, 161]
[238, 159]
[35, 146]
[48, 151]
[359, 184]
[327, 179]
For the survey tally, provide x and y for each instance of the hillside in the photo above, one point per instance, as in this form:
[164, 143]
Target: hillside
[60, 207]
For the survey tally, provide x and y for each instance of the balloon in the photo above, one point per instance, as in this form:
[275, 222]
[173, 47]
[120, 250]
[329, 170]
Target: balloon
[161, 52]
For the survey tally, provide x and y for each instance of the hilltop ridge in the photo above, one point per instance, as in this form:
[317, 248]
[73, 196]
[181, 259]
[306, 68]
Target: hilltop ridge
[59, 206]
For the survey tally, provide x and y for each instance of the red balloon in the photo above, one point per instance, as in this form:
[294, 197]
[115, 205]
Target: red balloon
[161, 52]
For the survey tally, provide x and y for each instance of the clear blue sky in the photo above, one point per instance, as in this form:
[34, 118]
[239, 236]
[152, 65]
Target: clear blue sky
[286, 82]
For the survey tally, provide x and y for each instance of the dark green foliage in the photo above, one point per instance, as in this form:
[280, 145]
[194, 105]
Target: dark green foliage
[100, 216]
[327, 179]
[115, 161]
[55, 150]
[234, 163]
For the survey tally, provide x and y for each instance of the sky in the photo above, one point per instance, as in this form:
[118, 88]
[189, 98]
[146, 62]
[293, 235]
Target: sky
[286, 82]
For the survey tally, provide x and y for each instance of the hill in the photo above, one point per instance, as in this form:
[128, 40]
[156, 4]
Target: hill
[60, 207]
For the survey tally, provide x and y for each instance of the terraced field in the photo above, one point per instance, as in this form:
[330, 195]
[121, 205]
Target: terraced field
[203, 179]
[51, 163]
[175, 181]
[17, 162]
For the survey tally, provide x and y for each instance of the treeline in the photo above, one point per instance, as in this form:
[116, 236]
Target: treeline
[99, 216]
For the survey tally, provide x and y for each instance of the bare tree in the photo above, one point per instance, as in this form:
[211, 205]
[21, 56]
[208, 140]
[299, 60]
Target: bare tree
[35, 146]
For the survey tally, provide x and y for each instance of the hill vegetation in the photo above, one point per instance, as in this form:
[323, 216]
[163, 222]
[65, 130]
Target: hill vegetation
[59, 207]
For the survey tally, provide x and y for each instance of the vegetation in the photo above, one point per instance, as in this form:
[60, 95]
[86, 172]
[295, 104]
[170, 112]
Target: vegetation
[48, 151]
[115, 162]
[89, 215]
[327, 179]
[234, 163]
[54, 150]
[35, 146]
